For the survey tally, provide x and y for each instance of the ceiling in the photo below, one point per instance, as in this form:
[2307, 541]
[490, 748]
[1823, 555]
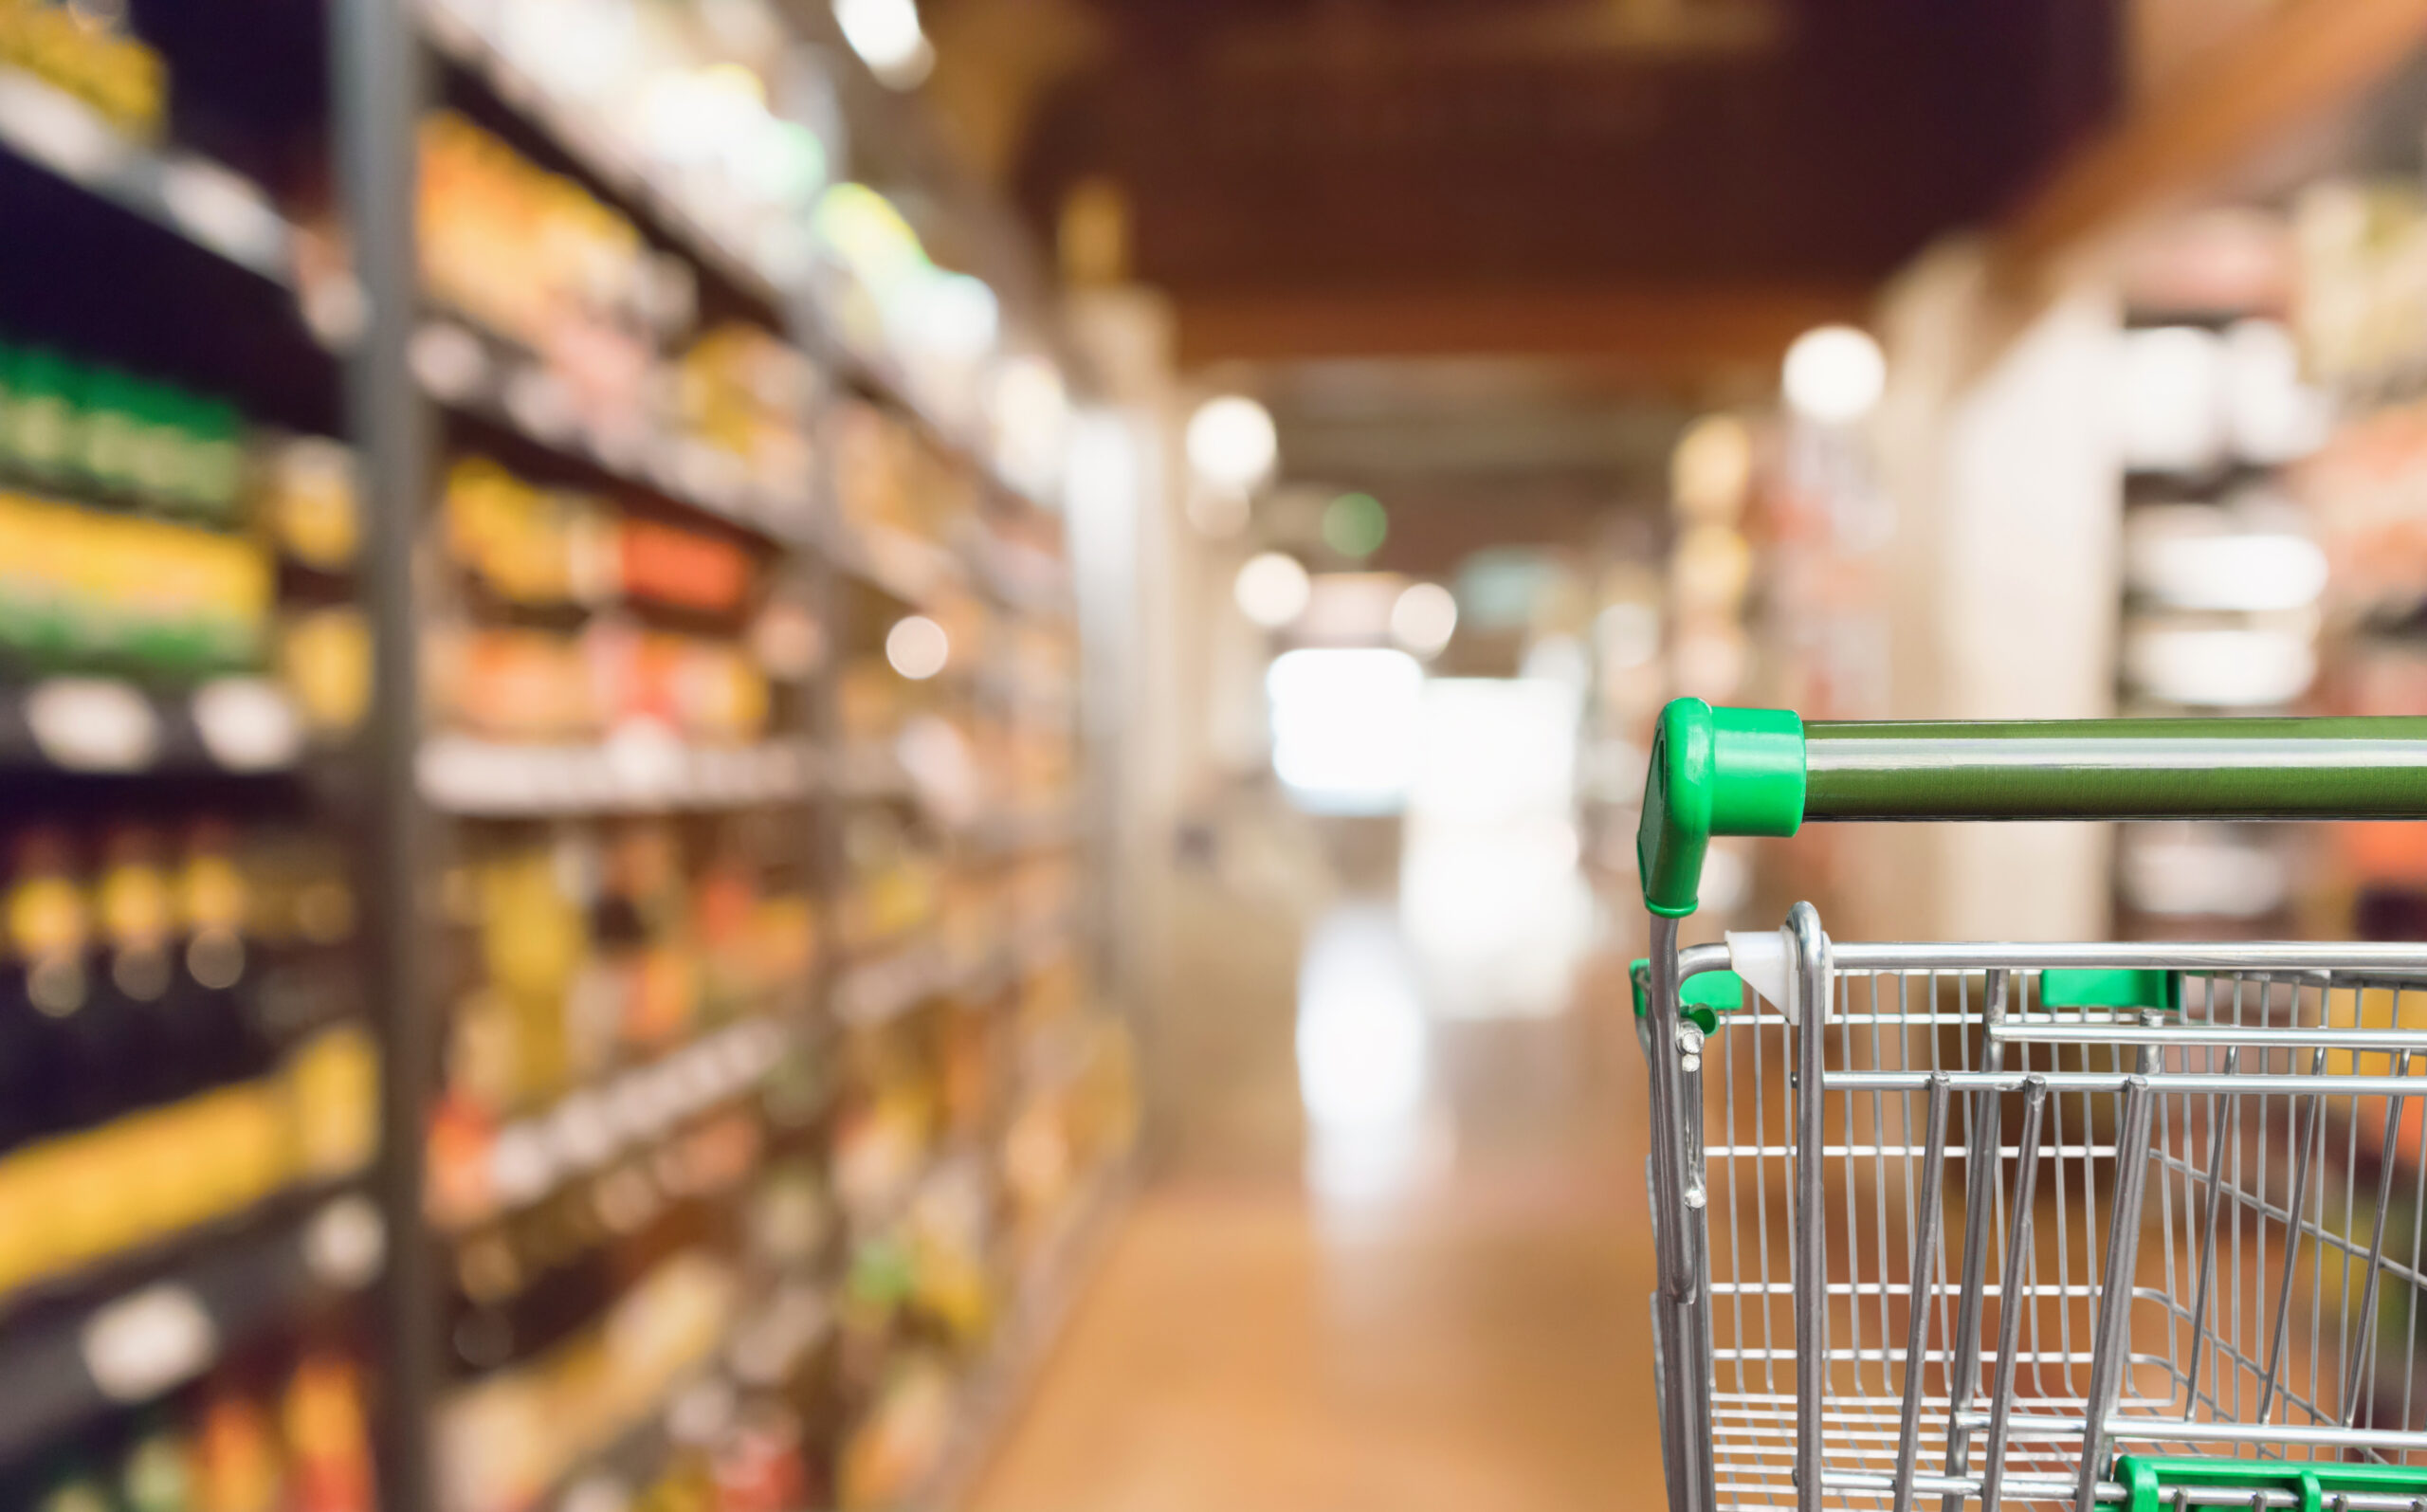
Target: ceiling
[1470, 241]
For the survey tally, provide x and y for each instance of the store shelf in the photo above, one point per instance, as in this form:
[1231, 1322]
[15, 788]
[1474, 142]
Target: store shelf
[898, 979]
[866, 775]
[458, 40]
[1057, 1274]
[919, 572]
[590, 1129]
[215, 208]
[635, 774]
[488, 377]
[60, 1370]
[1023, 580]
[767, 1345]
[1024, 833]
[890, 985]
[111, 726]
[106, 1345]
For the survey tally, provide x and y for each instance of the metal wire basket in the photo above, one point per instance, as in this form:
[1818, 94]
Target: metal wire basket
[2141, 1224]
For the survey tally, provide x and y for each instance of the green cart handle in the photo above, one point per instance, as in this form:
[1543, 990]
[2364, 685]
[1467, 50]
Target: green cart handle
[1764, 772]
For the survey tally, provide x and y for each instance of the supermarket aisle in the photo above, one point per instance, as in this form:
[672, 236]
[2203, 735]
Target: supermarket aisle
[1440, 1310]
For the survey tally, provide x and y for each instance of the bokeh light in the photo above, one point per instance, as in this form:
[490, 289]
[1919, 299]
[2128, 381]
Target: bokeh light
[918, 648]
[1834, 375]
[1355, 524]
[1272, 589]
[1230, 440]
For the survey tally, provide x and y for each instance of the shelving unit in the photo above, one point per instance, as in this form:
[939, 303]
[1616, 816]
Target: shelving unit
[190, 1069]
[705, 998]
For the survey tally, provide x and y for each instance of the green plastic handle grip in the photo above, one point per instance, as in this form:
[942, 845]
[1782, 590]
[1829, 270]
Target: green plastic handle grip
[1763, 771]
[2148, 1481]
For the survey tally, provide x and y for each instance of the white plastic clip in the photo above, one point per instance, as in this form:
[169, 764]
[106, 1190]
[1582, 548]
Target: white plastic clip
[1760, 956]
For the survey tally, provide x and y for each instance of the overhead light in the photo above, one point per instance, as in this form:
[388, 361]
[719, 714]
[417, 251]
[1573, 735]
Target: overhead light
[1424, 618]
[1355, 524]
[1712, 469]
[2274, 416]
[955, 316]
[1627, 633]
[1218, 510]
[2220, 668]
[887, 35]
[1272, 589]
[1834, 375]
[2254, 573]
[2172, 409]
[1230, 440]
[1344, 723]
[916, 646]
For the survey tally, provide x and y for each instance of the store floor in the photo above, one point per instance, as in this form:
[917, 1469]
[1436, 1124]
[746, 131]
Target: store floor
[1390, 1302]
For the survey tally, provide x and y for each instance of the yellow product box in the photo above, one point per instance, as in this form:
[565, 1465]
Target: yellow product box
[35, 1182]
[259, 1137]
[80, 1177]
[240, 1133]
[331, 1094]
[176, 1157]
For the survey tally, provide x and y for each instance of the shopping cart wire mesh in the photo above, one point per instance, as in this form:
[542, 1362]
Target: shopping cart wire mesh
[2033, 1224]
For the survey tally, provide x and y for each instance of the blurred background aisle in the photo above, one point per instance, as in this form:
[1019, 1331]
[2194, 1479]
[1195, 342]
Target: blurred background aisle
[812, 756]
[1391, 1257]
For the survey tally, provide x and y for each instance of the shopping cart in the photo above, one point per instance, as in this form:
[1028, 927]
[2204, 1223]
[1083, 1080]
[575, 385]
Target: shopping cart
[2056, 1224]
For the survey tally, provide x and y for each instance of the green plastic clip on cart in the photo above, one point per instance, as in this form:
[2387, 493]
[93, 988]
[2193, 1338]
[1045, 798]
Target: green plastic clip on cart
[2141, 1224]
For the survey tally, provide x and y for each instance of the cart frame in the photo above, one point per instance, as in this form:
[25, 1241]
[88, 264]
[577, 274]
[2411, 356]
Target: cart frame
[1763, 771]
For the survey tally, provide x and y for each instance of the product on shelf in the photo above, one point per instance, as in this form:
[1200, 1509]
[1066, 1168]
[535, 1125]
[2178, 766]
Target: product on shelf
[888, 476]
[70, 425]
[508, 1437]
[144, 968]
[77, 1199]
[308, 501]
[534, 546]
[531, 254]
[78, 48]
[742, 391]
[527, 545]
[80, 588]
[324, 664]
[518, 685]
[2362, 246]
[613, 970]
[939, 330]
[896, 882]
[1079, 1117]
[899, 1443]
[528, 1280]
[283, 1432]
[690, 106]
[537, 258]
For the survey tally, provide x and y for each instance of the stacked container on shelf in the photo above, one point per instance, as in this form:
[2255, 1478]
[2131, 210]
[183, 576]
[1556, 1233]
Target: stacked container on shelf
[985, 1099]
[622, 1172]
[696, 1241]
[2222, 572]
[2363, 246]
[187, 1081]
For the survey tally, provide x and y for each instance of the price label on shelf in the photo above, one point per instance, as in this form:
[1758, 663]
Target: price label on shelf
[448, 361]
[538, 401]
[248, 724]
[224, 212]
[59, 131]
[148, 1342]
[93, 724]
[346, 1243]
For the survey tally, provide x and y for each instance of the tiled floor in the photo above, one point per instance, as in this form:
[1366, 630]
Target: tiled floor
[1459, 1324]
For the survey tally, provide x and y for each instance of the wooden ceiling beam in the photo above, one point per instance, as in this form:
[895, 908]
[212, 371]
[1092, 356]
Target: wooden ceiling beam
[1667, 333]
[2283, 71]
